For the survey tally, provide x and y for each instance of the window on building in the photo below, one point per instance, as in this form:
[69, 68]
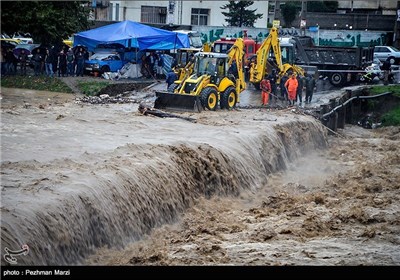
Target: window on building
[117, 12]
[200, 16]
[153, 14]
[110, 12]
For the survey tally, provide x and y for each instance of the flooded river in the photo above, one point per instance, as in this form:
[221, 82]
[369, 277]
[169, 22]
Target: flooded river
[103, 184]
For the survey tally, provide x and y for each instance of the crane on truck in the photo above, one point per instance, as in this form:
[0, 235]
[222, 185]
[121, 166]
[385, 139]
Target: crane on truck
[211, 83]
[264, 64]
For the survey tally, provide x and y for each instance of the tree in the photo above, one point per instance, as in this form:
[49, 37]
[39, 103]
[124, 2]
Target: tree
[289, 11]
[49, 22]
[238, 15]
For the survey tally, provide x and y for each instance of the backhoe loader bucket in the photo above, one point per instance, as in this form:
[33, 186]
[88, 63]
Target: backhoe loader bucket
[177, 102]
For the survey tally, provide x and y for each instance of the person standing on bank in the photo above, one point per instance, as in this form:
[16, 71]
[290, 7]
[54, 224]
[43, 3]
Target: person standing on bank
[62, 64]
[291, 85]
[171, 78]
[265, 86]
[70, 63]
[299, 92]
[23, 58]
[283, 88]
[48, 64]
[386, 70]
[310, 85]
[80, 61]
[37, 60]
[272, 80]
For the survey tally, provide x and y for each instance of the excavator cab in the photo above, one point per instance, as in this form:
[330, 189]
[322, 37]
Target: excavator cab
[184, 59]
[287, 51]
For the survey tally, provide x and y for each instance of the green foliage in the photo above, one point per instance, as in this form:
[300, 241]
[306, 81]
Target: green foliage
[322, 6]
[381, 89]
[289, 11]
[49, 22]
[92, 88]
[239, 15]
[35, 83]
[391, 118]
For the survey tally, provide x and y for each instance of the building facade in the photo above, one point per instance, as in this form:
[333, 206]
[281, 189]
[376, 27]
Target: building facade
[361, 21]
[172, 12]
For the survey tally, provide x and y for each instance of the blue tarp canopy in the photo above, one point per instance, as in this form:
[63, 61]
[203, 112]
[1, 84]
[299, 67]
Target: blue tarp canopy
[132, 34]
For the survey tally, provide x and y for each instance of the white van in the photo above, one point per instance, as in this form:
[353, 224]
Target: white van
[194, 38]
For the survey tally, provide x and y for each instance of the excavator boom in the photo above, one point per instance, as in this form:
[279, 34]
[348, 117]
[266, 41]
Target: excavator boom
[259, 69]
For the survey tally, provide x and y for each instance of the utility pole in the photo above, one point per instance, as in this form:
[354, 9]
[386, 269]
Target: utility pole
[396, 39]
[303, 18]
[277, 10]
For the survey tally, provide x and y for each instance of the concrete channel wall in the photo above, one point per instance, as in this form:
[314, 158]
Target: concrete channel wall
[349, 107]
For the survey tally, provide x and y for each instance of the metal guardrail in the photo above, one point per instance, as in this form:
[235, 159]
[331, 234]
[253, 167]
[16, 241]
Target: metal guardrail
[351, 100]
[350, 71]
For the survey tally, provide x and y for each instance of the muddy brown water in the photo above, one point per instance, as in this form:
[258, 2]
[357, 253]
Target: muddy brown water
[79, 180]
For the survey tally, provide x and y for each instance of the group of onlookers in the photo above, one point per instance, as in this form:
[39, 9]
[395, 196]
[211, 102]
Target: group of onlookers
[51, 62]
[152, 65]
[8, 62]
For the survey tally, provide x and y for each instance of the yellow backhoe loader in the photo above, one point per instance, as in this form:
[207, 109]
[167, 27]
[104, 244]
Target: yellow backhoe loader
[217, 79]
[269, 56]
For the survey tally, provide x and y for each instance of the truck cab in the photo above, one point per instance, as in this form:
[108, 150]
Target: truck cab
[194, 38]
[224, 44]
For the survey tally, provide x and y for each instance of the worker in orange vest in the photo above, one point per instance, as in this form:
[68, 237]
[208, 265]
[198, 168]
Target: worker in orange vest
[265, 86]
[291, 85]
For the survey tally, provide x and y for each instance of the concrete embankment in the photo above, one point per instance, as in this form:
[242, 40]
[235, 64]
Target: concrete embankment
[63, 207]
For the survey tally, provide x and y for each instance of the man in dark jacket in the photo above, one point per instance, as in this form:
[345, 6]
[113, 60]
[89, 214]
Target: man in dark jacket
[299, 93]
[171, 78]
[386, 70]
[310, 85]
[272, 79]
[23, 58]
[37, 62]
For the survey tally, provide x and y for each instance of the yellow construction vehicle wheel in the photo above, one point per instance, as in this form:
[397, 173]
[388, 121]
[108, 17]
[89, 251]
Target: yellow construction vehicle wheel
[209, 98]
[228, 98]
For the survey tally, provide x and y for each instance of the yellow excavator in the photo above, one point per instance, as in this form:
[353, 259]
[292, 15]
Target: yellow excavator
[217, 78]
[265, 63]
[185, 60]
[185, 63]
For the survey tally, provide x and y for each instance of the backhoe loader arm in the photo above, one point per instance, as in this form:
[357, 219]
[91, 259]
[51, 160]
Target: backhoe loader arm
[257, 71]
[236, 53]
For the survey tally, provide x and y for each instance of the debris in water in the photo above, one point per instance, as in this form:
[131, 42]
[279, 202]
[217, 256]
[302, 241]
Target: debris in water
[145, 110]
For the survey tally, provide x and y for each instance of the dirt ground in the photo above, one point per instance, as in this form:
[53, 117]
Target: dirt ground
[338, 206]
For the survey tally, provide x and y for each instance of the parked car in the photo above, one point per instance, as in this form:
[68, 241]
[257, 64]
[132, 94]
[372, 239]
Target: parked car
[387, 53]
[104, 62]
[108, 58]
